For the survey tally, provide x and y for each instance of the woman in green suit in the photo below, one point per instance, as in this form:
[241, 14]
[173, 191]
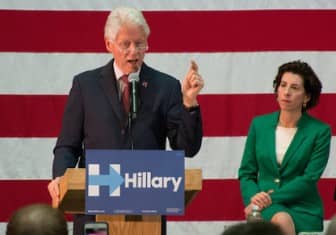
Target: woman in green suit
[285, 154]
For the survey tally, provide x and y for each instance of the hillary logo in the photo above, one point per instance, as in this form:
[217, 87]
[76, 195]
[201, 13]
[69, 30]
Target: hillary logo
[95, 180]
[145, 180]
[137, 180]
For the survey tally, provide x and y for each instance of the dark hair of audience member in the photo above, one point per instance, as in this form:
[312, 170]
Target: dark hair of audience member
[254, 228]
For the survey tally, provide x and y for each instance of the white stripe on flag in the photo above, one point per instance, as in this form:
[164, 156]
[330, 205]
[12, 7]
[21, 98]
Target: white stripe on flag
[228, 73]
[167, 4]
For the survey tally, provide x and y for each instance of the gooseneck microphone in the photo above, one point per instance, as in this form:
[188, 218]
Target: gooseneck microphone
[133, 79]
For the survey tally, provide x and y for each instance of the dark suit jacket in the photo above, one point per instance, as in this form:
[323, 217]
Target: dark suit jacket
[295, 181]
[94, 117]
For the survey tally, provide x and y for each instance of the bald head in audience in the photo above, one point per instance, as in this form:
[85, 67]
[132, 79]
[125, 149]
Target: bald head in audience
[37, 219]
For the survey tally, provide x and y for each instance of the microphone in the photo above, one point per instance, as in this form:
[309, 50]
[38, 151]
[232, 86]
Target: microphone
[133, 79]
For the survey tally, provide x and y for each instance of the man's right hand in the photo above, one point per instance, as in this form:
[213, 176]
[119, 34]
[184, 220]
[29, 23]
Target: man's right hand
[53, 188]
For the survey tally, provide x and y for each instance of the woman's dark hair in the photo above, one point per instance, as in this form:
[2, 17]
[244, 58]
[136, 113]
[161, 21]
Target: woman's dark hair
[311, 82]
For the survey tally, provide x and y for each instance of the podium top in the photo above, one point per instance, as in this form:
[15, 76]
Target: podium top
[72, 189]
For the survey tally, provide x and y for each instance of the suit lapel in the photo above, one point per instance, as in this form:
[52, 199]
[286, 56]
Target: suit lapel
[296, 142]
[109, 86]
[145, 85]
[270, 135]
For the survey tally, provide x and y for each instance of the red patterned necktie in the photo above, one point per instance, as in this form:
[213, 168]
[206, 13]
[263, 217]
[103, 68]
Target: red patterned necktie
[125, 93]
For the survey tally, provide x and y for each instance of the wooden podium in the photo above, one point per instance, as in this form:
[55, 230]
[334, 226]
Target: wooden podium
[72, 195]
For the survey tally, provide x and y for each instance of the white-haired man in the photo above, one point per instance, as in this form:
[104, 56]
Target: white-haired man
[96, 116]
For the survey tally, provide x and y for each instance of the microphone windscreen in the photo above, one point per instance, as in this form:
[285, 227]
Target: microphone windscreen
[133, 77]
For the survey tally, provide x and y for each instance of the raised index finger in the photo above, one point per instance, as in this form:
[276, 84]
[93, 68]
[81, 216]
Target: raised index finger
[193, 66]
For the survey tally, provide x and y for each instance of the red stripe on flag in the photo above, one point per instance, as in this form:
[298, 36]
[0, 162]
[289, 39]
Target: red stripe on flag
[17, 193]
[223, 115]
[219, 200]
[31, 115]
[173, 31]
[231, 115]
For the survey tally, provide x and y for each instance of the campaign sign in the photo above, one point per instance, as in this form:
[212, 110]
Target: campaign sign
[137, 182]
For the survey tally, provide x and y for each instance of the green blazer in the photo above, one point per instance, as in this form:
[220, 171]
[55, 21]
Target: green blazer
[294, 181]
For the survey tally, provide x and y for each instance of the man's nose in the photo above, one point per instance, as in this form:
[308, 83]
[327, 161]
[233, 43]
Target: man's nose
[133, 48]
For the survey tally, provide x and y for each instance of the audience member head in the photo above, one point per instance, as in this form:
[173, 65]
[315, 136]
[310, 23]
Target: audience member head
[311, 82]
[254, 228]
[37, 219]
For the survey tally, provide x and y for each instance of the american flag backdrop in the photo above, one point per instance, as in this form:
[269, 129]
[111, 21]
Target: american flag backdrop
[238, 45]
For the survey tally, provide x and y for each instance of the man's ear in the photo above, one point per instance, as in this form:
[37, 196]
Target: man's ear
[109, 45]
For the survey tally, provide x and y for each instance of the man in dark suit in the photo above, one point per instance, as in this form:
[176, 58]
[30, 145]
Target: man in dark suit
[97, 117]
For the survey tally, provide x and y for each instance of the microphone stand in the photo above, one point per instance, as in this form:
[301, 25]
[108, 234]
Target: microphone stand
[133, 110]
[130, 130]
[134, 100]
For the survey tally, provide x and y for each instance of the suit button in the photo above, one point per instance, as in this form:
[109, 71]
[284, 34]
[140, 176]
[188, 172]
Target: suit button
[277, 181]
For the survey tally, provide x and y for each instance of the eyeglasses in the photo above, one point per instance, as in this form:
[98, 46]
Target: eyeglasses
[126, 46]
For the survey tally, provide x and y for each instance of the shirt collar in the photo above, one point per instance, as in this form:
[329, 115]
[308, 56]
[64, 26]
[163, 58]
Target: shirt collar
[119, 73]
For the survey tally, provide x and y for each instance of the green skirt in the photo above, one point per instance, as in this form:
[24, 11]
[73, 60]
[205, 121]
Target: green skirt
[303, 222]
